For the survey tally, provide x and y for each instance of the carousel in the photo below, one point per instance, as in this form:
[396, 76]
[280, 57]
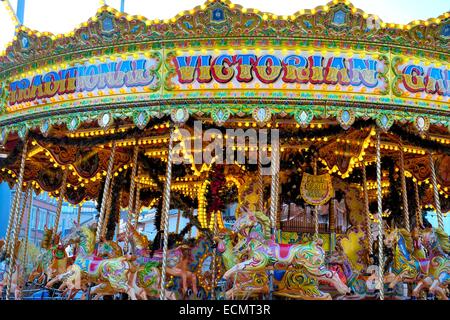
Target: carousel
[304, 150]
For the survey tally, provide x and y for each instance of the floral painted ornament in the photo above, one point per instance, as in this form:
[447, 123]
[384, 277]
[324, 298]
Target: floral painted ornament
[384, 121]
[45, 127]
[262, 115]
[22, 132]
[73, 124]
[220, 116]
[141, 119]
[105, 120]
[346, 118]
[180, 115]
[422, 124]
[303, 118]
[4, 135]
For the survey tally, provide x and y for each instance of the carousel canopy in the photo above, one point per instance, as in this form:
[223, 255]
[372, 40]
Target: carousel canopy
[326, 77]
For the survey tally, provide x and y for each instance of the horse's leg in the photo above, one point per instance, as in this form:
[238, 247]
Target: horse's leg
[184, 282]
[434, 286]
[131, 293]
[248, 265]
[438, 291]
[194, 283]
[416, 291]
[396, 280]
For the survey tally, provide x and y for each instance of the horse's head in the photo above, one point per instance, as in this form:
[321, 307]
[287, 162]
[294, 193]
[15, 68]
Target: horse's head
[338, 284]
[429, 238]
[390, 237]
[73, 236]
[56, 239]
[47, 238]
[225, 238]
[246, 221]
[84, 235]
[139, 240]
[433, 238]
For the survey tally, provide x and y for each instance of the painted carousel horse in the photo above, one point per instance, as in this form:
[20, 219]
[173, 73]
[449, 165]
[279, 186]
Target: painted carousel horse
[405, 268]
[119, 273]
[339, 263]
[53, 261]
[245, 284]
[106, 249]
[437, 279]
[259, 252]
[148, 275]
[16, 275]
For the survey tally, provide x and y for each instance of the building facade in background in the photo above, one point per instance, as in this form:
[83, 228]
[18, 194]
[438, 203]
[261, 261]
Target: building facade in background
[43, 214]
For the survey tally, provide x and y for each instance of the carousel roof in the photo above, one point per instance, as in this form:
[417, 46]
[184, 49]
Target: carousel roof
[326, 77]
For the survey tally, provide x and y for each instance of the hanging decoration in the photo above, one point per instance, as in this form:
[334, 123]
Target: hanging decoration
[316, 189]
[303, 117]
[346, 118]
[220, 115]
[262, 115]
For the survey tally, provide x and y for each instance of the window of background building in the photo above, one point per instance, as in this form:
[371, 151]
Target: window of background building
[41, 220]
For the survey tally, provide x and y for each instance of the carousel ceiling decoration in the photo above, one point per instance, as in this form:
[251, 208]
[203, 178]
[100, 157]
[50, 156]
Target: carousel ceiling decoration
[329, 58]
[326, 77]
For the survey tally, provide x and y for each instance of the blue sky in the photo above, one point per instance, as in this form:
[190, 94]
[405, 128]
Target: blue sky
[5, 204]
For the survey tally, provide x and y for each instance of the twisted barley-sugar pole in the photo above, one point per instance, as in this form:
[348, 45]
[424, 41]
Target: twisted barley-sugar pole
[17, 211]
[27, 228]
[437, 202]
[131, 208]
[316, 208]
[419, 221]
[366, 211]
[260, 182]
[137, 207]
[274, 167]
[12, 216]
[16, 203]
[214, 267]
[177, 229]
[106, 191]
[26, 236]
[15, 238]
[274, 188]
[62, 192]
[404, 191]
[79, 214]
[165, 215]
[108, 208]
[10, 243]
[380, 217]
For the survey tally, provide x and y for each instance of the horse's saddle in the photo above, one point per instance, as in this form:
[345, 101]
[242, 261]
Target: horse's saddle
[90, 264]
[283, 250]
[424, 265]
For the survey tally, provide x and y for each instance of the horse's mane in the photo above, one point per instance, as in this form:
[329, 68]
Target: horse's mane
[443, 239]
[408, 239]
[265, 223]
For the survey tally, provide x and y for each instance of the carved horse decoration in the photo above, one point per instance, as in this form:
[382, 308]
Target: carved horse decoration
[53, 261]
[405, 267]
[245, 284]
[148, 274]
[437, 279]
[16, 272]
[257, 252]
[116, 275]
[426, 265]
